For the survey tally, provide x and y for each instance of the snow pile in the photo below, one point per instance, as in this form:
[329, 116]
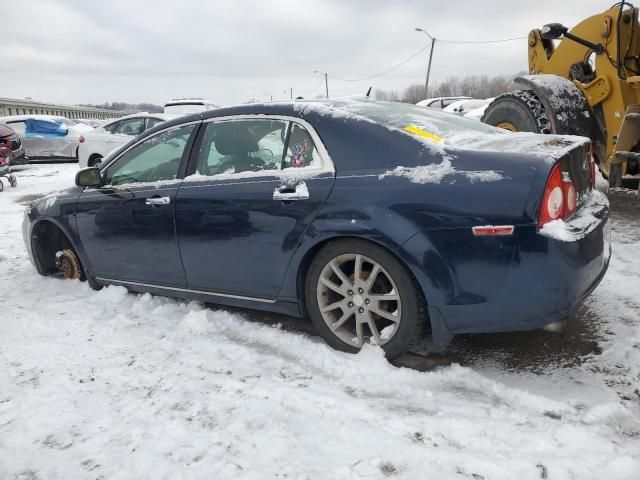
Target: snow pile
[581, 224]
[436, 172]
[116, 386]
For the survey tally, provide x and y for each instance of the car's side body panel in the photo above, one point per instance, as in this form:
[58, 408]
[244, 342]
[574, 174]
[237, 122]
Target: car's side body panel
[235, 238]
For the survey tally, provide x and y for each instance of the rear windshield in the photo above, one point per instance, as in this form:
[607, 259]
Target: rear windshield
[406, 115]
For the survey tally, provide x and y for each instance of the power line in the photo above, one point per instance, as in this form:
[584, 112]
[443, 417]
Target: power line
[482, 41]
[460, 42]
[470, 42]
[383, 72]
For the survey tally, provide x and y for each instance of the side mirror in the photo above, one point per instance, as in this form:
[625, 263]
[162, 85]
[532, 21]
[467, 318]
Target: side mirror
[551, 31]
[89, 177]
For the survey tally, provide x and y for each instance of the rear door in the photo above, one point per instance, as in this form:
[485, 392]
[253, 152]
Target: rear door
[127, 227]
[256, 185]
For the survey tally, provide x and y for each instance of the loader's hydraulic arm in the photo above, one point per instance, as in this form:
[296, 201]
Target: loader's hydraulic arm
[553, 31]
[601, 56]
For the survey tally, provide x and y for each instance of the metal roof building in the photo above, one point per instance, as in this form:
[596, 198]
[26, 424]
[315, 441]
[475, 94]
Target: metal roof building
[14, 106]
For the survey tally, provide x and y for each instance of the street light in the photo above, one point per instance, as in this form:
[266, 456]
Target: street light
[326, 82]
[433, 43]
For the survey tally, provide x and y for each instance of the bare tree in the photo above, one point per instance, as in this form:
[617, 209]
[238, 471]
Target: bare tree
[476, 86]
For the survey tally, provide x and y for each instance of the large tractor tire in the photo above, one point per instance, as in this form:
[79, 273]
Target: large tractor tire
[519, 111]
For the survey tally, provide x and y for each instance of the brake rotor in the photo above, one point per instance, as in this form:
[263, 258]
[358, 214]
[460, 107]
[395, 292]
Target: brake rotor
[68, 264]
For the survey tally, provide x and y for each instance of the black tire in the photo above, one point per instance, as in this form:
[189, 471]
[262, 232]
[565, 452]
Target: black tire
[94, 160]
[414, 321]
[521, 109]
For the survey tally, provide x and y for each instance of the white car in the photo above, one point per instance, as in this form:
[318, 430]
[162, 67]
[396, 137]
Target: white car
[184, 106]
[97, 144]
[464, 106]
[477, 113]
[439, 103]
[48, 148]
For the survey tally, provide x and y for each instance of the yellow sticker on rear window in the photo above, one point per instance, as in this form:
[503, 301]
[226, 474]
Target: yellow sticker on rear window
[422, 133]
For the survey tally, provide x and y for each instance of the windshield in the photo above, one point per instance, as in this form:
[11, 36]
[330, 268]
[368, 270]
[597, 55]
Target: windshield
[404, 115]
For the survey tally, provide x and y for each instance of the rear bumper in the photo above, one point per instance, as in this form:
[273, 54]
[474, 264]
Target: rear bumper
[513, 283]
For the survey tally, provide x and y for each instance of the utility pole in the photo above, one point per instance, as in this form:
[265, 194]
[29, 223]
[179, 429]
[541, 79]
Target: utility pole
[290, 89]
[326, 82]
[433, 44]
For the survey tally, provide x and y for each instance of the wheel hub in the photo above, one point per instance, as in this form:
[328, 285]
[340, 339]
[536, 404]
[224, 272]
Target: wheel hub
[358, 300]
[507, 126]
[68, 264]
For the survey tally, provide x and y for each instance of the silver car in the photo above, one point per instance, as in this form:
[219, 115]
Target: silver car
[43, 148]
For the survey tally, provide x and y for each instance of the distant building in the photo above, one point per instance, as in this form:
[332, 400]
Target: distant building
[14, 106]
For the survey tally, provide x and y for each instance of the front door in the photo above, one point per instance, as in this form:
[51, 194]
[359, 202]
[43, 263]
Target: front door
[127, 226]
[257, 184]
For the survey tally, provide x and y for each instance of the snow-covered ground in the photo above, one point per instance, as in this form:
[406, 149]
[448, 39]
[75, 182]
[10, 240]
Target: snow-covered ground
[112, 385]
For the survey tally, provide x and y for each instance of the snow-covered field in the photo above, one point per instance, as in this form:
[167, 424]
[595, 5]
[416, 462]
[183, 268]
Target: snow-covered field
[112, 385]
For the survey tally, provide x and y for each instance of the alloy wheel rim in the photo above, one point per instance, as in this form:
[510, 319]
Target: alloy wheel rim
[359, 300]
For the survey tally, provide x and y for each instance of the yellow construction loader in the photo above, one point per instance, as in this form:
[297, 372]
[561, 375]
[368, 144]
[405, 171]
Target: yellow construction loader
[583, 81]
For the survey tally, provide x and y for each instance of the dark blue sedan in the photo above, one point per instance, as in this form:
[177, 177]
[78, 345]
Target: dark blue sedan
[382, 222]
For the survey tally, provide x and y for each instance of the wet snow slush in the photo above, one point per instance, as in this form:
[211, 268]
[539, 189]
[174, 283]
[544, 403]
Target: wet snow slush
[114, 385]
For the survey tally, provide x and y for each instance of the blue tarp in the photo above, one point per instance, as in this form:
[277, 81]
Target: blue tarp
[44, 128]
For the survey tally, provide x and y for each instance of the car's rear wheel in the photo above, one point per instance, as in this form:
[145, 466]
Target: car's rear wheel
[358, 293]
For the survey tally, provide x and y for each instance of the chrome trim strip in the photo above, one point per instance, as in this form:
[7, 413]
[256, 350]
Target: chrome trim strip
[206, 182]
[189, 290]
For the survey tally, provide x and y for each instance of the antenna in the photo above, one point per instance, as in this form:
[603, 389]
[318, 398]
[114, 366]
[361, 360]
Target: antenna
[368, 92]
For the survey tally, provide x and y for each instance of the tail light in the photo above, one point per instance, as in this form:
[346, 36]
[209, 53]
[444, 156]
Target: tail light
[81, 139]
[560, 197]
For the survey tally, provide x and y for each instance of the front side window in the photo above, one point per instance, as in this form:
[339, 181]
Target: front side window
[157, 158]
[132, 126]
[242, 146]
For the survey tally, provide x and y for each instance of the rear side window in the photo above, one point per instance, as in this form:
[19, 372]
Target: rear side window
[111, 127]
[18, 127]
[242, 146]
[132, 126]
[239, 146]
[152, 122]
[301, 151]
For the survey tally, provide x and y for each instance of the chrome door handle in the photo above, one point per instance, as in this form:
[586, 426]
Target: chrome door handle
[158, 201]
[289, 194]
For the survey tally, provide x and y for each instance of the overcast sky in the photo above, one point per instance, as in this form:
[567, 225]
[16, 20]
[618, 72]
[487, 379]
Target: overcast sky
[77, 51]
